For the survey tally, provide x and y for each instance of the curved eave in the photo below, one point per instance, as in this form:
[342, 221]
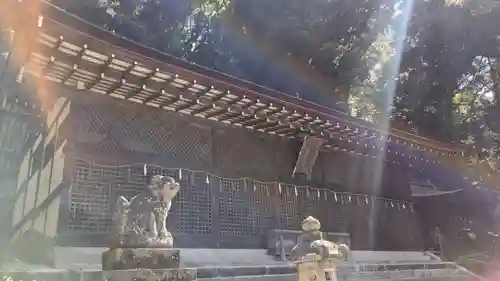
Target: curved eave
[69, 51]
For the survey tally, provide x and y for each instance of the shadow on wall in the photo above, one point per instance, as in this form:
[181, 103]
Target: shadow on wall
[37, 200]
[34, 247]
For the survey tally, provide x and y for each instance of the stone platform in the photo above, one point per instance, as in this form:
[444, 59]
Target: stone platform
[140, 257]
[243, 265]
[348, 272]
[89, 258]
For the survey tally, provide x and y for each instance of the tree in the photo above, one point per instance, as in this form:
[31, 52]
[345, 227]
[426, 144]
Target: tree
[175, 27]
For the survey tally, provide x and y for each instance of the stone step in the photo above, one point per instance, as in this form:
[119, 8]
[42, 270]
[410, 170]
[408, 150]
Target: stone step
[293, 277]
[462, 277]
[277, 277]
[395, 262]
[356, 267]
[90, 258]
[344, 269]
[401, 274]
[227, 271]
[270, 275]
[387, 256]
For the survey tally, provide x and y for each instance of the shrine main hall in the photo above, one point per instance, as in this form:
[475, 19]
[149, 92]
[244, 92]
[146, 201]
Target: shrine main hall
[94, 108]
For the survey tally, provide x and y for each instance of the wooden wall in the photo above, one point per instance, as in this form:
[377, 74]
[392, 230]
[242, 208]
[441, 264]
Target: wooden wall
[39, 185]
[107, 135]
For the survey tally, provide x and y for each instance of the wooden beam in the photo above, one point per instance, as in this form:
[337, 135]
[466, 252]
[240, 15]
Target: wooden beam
[160, 91]
[100, 73]
[132, 94]
[207, 107]
[192, 101]
[77, 60]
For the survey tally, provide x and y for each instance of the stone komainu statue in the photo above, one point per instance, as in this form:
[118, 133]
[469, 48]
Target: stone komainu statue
[142, 220]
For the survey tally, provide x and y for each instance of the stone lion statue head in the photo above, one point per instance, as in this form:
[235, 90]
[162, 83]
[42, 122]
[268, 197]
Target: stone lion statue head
[164, 188]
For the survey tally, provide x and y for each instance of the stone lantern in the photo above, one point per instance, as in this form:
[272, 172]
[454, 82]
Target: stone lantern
[316, 258]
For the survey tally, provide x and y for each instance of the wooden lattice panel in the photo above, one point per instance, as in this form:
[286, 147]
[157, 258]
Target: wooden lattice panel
[90, 200]
[193, 207]
[140, 131]
[289, 216]
[245, 209]
[312, 204]
[245, 153]
[95, 190]
[237, 214]
[263, 195]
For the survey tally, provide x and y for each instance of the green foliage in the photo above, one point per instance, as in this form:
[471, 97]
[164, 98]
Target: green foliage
[211, 8]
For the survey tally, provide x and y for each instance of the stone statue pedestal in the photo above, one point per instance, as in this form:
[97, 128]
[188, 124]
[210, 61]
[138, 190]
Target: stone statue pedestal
[150, 275]
[131, 257]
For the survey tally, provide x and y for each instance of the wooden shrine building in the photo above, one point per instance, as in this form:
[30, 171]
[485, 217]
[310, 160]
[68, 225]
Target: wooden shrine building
[97, 107]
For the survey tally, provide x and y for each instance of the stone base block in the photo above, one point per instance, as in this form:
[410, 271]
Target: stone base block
[140, 257]
[150, 275]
